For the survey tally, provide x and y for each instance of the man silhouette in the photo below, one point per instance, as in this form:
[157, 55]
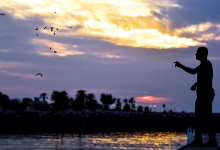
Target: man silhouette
[205, 96]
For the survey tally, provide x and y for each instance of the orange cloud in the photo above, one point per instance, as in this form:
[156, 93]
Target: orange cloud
[62, 49]
[151, 99]
[131, 23]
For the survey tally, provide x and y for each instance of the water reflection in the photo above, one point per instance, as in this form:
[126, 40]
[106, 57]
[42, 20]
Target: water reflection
[94, 141]
[59, 142]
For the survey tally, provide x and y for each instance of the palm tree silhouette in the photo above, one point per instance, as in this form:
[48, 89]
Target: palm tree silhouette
[107, 100]
[79, 102]
[126, 106]
[146, 109]
[90, 97]
[118, 104]
[60, 99]
[132, 103]
[91, 102]
[65, 99]
[140, 108]
[43, 96]
[55, 96]
[164, 107]
[4, 100]
[125, 101]
[25, 102]
[36, 99]
[81, 96]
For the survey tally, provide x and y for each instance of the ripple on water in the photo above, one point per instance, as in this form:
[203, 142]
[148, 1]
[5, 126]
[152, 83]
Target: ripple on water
[93, 141]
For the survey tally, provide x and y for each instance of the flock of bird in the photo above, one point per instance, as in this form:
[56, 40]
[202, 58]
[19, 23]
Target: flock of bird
[52, 29]
[2, 14]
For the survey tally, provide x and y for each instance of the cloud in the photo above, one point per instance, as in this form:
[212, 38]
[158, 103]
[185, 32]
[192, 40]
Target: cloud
[108, 55]
[195, 28]
[151, 38]
[12, 64]
[43, 48]
[20, 75]
[200, 32]
[217, 38]
[214, 58]
[4, 50]
[112, 56]
[20, 89]
[151, 99]
[134, 23]
[16, 91]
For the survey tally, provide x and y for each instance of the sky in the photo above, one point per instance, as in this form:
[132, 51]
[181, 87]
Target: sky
[121, 47]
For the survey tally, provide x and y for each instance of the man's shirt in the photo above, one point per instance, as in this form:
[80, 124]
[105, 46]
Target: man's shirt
[204, 78]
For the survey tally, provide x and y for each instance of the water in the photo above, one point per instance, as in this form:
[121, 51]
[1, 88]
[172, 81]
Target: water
[94, 141]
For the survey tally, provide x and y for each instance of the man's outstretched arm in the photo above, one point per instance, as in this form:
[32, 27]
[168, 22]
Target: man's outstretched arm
[187, 69]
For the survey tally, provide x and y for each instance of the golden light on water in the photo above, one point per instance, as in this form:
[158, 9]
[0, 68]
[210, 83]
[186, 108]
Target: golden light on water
[126, 140]
[141, 139]
[131, 23]
[112, 140]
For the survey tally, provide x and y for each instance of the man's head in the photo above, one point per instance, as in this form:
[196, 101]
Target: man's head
[202, 53]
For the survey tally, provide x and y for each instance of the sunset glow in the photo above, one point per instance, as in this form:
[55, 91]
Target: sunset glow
[151, 99]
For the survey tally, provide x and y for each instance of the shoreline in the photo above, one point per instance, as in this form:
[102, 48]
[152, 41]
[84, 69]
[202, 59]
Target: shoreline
[96, 121]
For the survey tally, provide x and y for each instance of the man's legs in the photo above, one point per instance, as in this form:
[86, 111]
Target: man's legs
[211, 130]
[199, 119]
[203, 110]
[198, 142]
[208, 116]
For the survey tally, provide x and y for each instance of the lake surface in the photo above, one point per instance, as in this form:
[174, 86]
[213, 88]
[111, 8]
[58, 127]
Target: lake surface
[94, 141]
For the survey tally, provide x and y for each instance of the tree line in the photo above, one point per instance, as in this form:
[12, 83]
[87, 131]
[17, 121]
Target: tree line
[61, 101]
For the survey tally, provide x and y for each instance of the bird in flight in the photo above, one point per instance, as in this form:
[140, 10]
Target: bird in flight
[50, 48]
[54, 32]
[44, 27]
[36, 28]
[51, 29]
[54, 12]
[39, 74]
[55, 51]
[70, 27]
[57, 28]
[2, 14]
[37, 34]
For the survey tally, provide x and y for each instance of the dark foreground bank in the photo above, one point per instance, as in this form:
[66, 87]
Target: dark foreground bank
[198, 148]
[95, 121]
